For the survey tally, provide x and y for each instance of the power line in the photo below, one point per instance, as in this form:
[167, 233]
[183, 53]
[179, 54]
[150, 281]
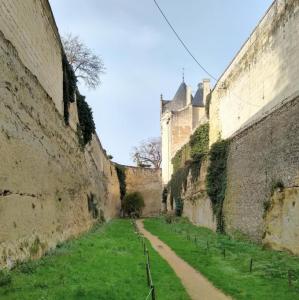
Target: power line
[194, 58]
[182, 42]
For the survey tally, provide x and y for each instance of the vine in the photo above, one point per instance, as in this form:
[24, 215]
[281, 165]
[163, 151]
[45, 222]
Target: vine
[199, 142]
[86, 122]
[69, 87]
[188, 158]
[121, 175]
[181, 157]
[216, 180]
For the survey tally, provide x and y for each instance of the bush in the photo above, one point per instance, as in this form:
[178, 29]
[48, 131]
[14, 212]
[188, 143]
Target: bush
[133, 204]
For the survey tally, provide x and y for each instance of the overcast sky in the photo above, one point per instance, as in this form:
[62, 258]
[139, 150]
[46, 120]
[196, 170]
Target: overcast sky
[144, 59]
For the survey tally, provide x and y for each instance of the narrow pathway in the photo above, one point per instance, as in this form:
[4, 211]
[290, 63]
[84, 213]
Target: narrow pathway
[197, 286]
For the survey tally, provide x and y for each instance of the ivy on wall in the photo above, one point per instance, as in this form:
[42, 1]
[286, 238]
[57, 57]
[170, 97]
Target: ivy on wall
[69, 87]
[188, 158]
[86, 122]
[199, 142]
[208, 103]
[216, 179]
[121, 175]
[180, 158]
[86, 126]
[194, 150]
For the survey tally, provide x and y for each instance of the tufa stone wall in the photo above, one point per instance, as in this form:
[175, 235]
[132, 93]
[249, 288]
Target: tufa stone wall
[197, 204]
[148, 182]
[29, 25]
[261, 157]
[282, 220]
[262, 75]
[50, 189]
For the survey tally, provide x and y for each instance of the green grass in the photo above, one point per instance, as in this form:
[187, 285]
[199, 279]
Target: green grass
[106, 263]
[268, 280]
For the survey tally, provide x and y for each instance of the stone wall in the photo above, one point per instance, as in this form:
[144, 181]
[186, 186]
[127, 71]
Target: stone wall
[262, 75]
[181, 128]
[50, 189]
[29, 25]
[261, 157]
[149, 183]
[197, 204]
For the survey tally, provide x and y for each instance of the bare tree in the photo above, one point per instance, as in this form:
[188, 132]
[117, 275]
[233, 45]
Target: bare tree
[148, 153]
[86, 65]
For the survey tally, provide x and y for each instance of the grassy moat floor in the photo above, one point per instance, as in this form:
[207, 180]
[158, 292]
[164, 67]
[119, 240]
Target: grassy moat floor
[107, 263]
[226, 262]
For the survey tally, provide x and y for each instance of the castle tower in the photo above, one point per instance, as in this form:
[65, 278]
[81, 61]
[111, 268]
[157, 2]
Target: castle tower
[179, 118]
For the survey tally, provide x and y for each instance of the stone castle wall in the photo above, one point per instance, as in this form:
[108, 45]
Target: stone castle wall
[50, 189]
[197, 204]
[256, 105]
[262, 75]
[29, 25]
[149, 183]
[181, 128]
[260, 157]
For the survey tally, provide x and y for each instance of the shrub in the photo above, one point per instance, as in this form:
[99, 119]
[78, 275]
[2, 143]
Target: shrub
[216, 179]
[5, 278]
[133, 204]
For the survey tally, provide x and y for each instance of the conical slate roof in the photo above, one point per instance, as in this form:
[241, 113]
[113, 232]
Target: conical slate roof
[198, 98]
[179, 100]
[181, 94]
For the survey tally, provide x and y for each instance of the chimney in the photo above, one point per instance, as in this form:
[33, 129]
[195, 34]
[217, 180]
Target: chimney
[189, 95]
[206, 85]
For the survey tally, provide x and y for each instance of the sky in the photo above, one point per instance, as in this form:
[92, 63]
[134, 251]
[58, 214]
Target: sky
[144, 59]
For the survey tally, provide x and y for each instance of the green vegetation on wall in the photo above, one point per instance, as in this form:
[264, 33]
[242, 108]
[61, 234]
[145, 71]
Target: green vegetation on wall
[69, 86]
[121, 175]
[199, 142]
[188, 158]
[208, 103]
[181, 157]
[194, 150]
[86, 122]
[216, 179]
[164, 195]
[178, 180]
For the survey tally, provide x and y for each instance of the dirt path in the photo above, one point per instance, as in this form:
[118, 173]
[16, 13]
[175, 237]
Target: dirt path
[197, 286]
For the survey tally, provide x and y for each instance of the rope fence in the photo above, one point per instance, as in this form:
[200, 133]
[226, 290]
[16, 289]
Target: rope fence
[149, 278]
[290, 275]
